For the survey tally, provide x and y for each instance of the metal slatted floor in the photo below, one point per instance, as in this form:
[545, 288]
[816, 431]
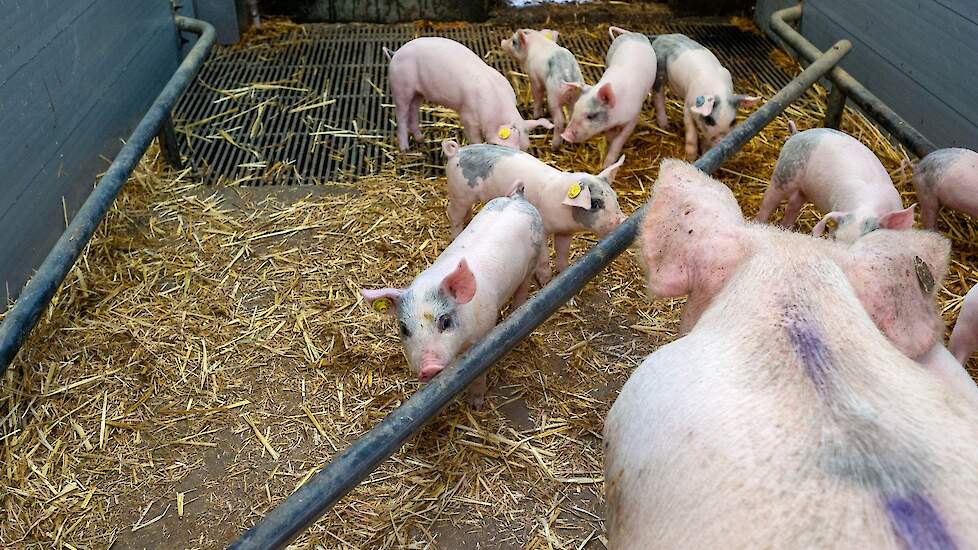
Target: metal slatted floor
[313, 106]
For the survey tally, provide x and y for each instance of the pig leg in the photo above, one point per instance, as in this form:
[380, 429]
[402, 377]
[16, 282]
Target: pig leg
[521, 293]
[616, 143]
[795, 202]
[538, 90]
[459, 213]
[415, 114]
[772, 199]
[557, 117]
[940, 362]
[471, 128]
[402, 113]
[964, 337]
[660, 109]
[929, 207]
[542, 272]
[692, 137]
[477, 392]
[562, 249]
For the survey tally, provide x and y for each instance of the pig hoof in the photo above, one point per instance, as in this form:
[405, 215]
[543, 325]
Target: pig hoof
[476, 402]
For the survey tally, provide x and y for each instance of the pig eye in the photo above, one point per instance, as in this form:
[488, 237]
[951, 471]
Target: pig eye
[445, 322]
[592, 116]
[405, 333]
[597, 204]
[708, 119]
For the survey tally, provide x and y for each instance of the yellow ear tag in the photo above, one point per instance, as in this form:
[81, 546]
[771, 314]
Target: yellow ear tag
[382, 305]
[504, 133]
[548, 35]
[573, 191]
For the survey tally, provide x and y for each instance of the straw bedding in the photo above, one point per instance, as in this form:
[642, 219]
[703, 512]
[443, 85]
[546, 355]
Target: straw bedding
[210, 352]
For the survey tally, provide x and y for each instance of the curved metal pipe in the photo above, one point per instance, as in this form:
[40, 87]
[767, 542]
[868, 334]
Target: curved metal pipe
[859, 94]
[22, 317]
[320, 493]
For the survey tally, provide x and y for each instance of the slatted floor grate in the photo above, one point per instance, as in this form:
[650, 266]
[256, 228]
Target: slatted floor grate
[313, 106]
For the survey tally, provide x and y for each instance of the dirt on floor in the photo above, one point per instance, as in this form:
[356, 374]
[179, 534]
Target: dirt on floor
[210, 352]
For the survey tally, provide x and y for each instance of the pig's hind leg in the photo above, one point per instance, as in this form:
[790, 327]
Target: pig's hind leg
[521, 293]
[459, 213]
[557, 117]
[660, 109]
[414, 122]
[772, 199]
[791, 211]
[477, 392]
[542, 272]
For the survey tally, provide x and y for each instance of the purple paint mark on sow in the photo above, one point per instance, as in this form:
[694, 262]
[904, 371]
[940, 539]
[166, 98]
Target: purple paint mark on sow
[810, 348]
[916, 523]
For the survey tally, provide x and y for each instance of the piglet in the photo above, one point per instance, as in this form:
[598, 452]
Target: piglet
[693, 72]
[964, 337]
[569, 202]
[946, 177]
[614, 104]
[842, 177]
[445, 72]
[548, 65]
[455, 302]
[785, 419]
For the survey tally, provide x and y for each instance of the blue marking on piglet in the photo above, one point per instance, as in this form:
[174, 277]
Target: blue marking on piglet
[810, 348]
[917, 524]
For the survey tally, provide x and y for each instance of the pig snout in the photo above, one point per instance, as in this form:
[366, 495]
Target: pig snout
[569, 136]
[429, 371]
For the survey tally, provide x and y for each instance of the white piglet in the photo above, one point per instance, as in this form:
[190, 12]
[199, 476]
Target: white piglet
[455, 302]
[548, 65]
[842, 177]
[614, 104]
[445, 72]
[569, 202]
[695, 74]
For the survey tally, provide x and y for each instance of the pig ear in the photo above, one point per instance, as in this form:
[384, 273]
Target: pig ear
[606, 94]
[900, 219]
[703, 105]
[517, 189]
[821, 225]
[531, 124]
[521, 36]
[578, 196]
[383, 300]
[610, 172]
[449, 147]
[570, 91]
[460, 284]
[744, 101]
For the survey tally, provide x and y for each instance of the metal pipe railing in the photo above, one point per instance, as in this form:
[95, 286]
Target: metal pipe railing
[312, 500]
[38, 293]
[849, 86]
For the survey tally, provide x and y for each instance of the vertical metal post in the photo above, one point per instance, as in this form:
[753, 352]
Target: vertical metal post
[168, 143]
[835, 107]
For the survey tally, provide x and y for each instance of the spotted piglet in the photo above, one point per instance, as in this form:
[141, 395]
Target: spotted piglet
[693, 72]
[842, 177]
[785, 419]
[445, 72]
[455, 302]
[946, 177]
[548, 65]
[569, 202]
[614, 104]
